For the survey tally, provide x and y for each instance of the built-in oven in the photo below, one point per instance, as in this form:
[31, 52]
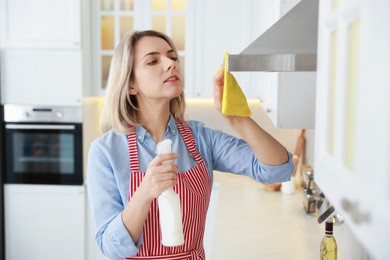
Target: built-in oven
[42, 145]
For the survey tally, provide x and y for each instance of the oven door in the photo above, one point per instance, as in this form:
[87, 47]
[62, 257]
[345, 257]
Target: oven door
[43, 153]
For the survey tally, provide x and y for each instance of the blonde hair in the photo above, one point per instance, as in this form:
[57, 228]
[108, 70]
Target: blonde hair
[120, 108]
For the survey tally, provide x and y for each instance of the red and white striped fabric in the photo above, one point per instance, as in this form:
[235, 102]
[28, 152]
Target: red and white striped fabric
[194, 188]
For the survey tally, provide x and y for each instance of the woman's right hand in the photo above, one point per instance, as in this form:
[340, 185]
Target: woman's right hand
[160, 175]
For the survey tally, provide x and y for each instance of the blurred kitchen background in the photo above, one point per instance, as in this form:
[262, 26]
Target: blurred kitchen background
[332, 113]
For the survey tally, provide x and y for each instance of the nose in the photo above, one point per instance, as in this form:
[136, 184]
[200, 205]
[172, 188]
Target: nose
[170, 64]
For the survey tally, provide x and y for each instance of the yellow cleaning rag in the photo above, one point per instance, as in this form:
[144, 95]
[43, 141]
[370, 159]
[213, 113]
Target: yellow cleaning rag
[233, 100]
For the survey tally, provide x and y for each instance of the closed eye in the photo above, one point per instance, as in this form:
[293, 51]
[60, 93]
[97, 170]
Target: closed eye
[152, 62]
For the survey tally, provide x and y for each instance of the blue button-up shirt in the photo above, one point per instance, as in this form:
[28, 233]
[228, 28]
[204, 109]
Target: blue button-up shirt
[109, 167]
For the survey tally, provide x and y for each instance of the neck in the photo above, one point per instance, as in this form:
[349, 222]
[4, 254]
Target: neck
[154, 118]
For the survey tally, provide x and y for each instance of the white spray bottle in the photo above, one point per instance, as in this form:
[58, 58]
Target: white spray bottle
[169, 206]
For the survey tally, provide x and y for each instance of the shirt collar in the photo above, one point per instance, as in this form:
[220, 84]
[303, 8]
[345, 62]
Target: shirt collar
[171, 127]
[141, 132]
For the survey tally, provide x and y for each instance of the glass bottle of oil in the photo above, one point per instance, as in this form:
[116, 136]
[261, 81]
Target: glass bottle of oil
[328, 249]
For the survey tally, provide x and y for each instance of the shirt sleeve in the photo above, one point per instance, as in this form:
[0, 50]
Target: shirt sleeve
[231, 154]
[106, 205]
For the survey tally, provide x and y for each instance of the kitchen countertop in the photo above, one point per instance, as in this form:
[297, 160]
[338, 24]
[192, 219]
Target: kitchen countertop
[252, 223]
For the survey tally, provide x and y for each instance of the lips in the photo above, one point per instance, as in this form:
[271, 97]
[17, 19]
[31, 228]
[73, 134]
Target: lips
[172, 78]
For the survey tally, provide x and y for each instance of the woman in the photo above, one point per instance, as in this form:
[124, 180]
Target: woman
[143, 106]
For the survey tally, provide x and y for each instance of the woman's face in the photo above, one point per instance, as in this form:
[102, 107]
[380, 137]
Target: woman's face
[157, 73]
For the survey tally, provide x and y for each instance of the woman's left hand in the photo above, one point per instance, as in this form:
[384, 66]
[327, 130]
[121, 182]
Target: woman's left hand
[218, 81]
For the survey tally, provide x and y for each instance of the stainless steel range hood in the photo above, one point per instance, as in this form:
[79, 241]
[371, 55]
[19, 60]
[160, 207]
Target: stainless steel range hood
[288, 45]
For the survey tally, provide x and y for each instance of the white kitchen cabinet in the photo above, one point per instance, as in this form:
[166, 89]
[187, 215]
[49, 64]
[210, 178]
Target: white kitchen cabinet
[221, 26]
[114, 19]
[41, 77]
[44, 222]
[352, 141]
[290, 100]
[41, 54]
[54, 24]
[206, 29]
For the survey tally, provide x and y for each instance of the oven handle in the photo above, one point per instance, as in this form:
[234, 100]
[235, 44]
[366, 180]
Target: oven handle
[33, 127]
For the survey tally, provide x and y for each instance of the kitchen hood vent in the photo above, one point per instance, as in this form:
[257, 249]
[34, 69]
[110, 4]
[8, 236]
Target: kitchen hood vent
[288, 45]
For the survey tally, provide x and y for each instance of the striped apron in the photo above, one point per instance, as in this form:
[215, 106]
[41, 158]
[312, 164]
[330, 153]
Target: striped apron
[194, 188]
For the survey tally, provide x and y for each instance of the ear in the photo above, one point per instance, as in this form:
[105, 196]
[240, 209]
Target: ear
[132, 91]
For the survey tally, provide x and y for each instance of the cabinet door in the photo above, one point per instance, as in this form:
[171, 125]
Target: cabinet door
[41, 77]
[353, 117]
[44, 222]
[293, 100]
[221, 26]
[290, 99]
[40, 24]
[114, 19]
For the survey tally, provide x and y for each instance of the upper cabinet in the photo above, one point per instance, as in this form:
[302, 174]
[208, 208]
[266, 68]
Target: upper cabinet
[221, 26]
[201, 30]
[53, 24]
[115, 18]
[41, 77]
[42, 61]
[353, 117]
[290, 99]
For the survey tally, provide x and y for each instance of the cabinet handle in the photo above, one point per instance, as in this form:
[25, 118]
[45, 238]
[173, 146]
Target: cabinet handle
[325, 215]
[268, 110]
[353, 209]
